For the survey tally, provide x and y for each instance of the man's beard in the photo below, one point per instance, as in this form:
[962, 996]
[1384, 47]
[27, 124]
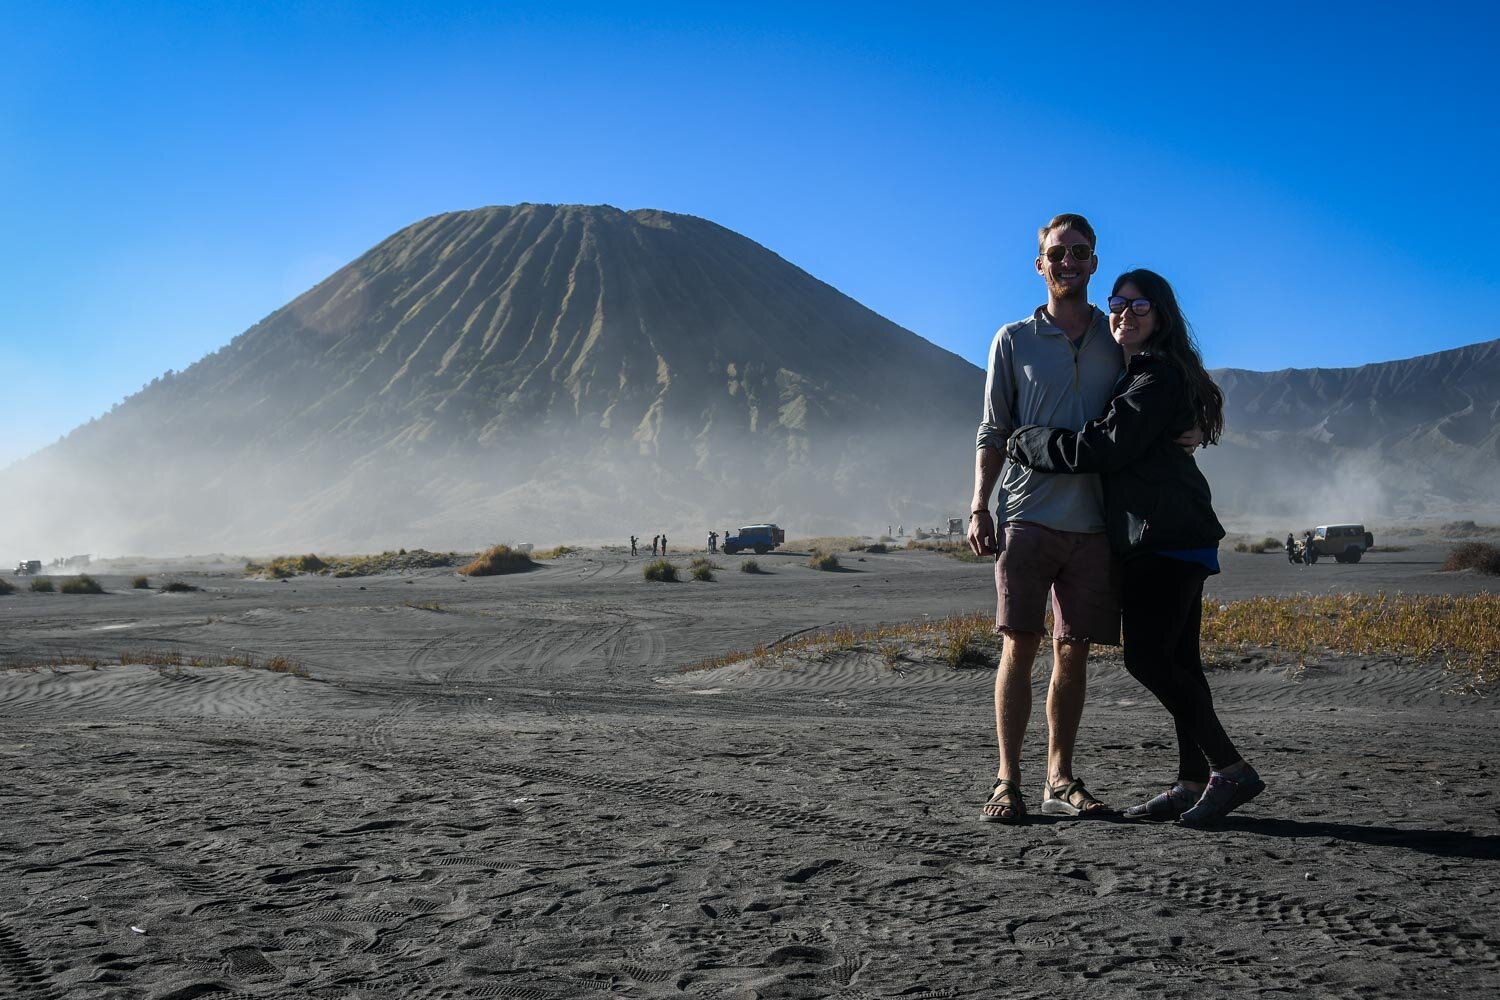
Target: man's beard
[1077, 292]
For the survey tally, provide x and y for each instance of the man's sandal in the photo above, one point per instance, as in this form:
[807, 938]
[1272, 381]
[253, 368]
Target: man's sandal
[1005, 799]
[1072, 799]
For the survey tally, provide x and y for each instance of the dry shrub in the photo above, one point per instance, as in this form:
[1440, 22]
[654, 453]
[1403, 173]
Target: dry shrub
[1462, 631]
[1479, 556]
[41, 585]
[1466, 529]
[141, 583]
[957, 550]
[826, 561]
[750, 566]
[284, 567]
[82, 584]
[968, 646]
[879, 548]
[276, 664]
[178, 587]
[6, 587]
[832, 543]
[557, 552]
[498, 560]
[661, 571]
[959, 641]
[703, 571]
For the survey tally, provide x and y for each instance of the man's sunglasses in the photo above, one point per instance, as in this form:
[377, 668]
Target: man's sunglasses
[1140, 307]
[1081, 252]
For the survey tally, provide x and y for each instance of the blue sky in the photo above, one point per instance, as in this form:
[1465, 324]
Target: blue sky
[1319, 183]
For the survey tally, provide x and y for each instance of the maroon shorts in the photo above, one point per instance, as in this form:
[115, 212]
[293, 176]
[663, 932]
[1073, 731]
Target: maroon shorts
[1077, 568]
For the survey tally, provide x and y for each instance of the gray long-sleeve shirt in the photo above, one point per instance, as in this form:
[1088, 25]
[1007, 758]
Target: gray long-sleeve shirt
[1038, 376]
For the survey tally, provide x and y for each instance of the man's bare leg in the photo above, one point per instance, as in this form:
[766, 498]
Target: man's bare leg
[1012, 713]
[1013, 699]
[1065, 698]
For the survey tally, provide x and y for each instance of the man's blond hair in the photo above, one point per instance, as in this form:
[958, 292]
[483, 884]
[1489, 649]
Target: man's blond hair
[1068, 220]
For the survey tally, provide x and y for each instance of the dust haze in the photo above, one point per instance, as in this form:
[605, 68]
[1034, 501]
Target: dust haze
[544, 489]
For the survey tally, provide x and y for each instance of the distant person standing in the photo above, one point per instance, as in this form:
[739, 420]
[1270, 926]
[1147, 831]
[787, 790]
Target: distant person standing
[664, 543]
[655, 543]
[713, 542]
[1309, 553]
[632, 545]
[1291, 547]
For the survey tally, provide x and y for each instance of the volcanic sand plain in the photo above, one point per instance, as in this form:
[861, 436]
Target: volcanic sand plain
[510, 787]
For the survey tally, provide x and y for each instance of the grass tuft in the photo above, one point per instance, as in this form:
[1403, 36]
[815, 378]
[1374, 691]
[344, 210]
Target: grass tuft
[826, 561]
[1260, 547]
[750, 566]
[703, 571]
[557, 552]
[42, 585]
[957, 550]
[661, 571]
[1479, 556]
[161, 658]
[141, 583]
[82, 584]
[1461, 632]
[498, 560]
[285, 567]
[1467, 529]
[832, 543]
[960, 641]
[6, 587]
[178, 587]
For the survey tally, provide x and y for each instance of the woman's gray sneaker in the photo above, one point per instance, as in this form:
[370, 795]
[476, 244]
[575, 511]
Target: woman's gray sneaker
[1165, 807]
[1223, 796]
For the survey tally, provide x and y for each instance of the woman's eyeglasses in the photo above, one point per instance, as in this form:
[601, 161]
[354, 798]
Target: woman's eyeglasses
[1140, 307]
[1081, 252]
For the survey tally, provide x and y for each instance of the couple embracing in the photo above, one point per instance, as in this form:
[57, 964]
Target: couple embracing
[1093, 419]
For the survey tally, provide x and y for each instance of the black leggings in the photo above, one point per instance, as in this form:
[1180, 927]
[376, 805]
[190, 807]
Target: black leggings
[1161, 613]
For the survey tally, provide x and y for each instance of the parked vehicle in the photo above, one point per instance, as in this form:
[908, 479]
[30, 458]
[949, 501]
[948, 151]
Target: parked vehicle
[760, 538]
[29, 567]
[1345, 542]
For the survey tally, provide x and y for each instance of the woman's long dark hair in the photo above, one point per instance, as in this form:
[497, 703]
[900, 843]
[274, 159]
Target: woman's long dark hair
[1174, 341]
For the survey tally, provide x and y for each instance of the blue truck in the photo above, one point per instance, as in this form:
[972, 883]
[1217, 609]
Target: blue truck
[759, 538]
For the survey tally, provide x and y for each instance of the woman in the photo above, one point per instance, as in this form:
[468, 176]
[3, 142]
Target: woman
[1160, 521]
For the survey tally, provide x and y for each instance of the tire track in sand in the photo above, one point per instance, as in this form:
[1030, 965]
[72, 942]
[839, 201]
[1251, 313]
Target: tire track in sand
[1360, 928]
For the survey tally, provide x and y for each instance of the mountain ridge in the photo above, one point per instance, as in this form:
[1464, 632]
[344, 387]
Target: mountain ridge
[664, 348]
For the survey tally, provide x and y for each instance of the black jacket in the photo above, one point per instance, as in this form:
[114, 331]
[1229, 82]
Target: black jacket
[1154, 496]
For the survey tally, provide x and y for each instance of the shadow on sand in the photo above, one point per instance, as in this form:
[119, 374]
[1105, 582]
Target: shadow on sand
[1440, 843]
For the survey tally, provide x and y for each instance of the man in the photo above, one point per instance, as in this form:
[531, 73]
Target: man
[1056, 368]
